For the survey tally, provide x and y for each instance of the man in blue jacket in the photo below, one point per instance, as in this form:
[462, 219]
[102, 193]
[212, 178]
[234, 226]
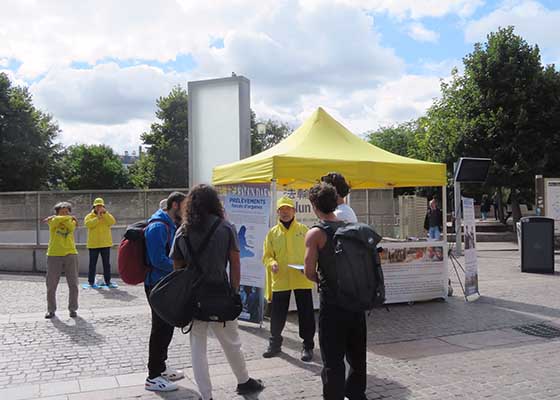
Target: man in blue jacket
[159, 238]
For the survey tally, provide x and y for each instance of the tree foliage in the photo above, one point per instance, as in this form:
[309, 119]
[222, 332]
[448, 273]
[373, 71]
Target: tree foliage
[274, 132]
[27, 135]
[166, 163]
[92, 167]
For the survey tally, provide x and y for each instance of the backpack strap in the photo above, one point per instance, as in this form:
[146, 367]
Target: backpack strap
[203, 245]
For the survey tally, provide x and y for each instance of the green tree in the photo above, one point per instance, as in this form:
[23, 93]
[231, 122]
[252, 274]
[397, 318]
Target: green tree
[27, 135]
[92, 167]
[274, 132]
[166, 163]
[398, 139]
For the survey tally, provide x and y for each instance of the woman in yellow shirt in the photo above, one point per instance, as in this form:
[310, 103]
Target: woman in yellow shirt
[62, 256]
[98, 223]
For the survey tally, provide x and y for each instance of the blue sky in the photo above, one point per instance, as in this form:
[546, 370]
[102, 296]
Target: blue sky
[99, 66]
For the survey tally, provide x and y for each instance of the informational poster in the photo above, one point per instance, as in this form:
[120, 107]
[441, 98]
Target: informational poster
[248, 208]
[469, 235]
[552, 201]
[414, 271]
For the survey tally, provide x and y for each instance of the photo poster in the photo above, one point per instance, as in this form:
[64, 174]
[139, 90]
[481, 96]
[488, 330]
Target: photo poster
[247, 207]
[414, 271]
[552, 202]
[306, 216]
[469, 235]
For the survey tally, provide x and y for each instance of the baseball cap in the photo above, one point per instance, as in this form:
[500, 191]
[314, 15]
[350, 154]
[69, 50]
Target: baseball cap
[285, 201]
[98, 202]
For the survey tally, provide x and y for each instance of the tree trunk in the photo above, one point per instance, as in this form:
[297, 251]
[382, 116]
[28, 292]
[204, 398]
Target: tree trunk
[501, 215]
[515, 209]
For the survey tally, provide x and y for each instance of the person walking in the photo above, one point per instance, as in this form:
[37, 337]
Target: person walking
[433, 222]
[284, 245]
[485, 206]
[202, 210]
[62, 256]
[158, 236]
[342, 333]
[99, 242]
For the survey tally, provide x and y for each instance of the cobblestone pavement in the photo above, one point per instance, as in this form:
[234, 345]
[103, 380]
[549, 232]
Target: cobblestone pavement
[431, 350]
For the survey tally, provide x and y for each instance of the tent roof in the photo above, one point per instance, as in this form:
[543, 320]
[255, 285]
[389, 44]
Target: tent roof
[323, 145]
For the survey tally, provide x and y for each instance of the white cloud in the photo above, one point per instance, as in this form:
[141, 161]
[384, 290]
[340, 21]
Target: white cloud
[416, 9]
[106, 94]
[419, 32]
[533, 21]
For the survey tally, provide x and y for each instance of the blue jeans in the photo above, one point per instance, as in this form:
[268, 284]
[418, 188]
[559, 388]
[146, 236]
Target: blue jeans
[434, 233]
[93, 256]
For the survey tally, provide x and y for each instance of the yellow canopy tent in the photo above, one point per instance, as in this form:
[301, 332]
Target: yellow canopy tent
[322, 145]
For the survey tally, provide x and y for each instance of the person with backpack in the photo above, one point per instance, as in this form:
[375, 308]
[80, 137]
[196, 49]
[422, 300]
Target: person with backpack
[343, 211]
[62, 256]
[284, 244]
[158, 236]
[343, 269]
[205, 229]
[99, 242]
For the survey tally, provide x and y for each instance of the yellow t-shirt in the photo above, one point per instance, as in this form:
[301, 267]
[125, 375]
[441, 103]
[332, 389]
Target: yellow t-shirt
[61, 240]
[99, 230]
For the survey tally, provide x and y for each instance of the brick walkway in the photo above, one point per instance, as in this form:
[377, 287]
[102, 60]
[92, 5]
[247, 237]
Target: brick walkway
[433, 350]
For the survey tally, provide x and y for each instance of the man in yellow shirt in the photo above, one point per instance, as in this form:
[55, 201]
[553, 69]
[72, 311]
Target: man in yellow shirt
[99, 241]
[62, 256]
[283, 246]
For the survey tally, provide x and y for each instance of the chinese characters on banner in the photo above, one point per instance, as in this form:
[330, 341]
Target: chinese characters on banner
[304, 211]
[469, 235]
[248, 208]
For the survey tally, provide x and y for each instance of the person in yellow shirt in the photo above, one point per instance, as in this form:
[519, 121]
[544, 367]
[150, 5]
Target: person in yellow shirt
[99, 241]
[62, 256]
[283, 246]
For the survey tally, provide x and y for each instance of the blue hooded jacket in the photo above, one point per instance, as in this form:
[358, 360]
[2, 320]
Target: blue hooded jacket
[158, 244]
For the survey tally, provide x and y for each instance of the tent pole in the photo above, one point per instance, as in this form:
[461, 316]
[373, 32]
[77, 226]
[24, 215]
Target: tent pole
[272, 219]
[444, 209]
[367, 206]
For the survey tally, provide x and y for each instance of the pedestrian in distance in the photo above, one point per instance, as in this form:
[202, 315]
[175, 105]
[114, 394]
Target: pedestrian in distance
[284, 245]
[159, 235]
[62, 256]
[202, 213]
[342, 333]
[485, 206]
[343, 211]
[99, 242]
[433, 222]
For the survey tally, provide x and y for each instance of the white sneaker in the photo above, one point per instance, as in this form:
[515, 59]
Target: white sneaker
[173, 374]
[160, 384]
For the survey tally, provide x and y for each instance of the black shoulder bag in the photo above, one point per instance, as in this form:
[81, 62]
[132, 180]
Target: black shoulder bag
[216, 302]
[173, 298]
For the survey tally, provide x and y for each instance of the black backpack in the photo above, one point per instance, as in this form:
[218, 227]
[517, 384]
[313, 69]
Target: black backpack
[355, 280]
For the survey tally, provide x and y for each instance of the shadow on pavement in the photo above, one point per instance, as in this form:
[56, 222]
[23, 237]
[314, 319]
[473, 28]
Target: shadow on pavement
[117, 294]
[181, 394]
[535, 309]
[82, 332]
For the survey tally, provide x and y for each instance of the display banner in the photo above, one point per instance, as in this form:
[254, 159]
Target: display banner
[552, 201]
[469, 236]
[414, 271]
[248, 208]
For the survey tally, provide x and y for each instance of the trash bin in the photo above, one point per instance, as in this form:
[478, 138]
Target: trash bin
[537, 244]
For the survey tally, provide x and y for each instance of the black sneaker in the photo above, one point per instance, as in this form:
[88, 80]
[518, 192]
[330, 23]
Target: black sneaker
[73, 314]
[251, 386]
[306, 355]
[49, 315]
[272, 352]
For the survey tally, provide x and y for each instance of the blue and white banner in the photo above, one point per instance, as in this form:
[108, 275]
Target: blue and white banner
[469, 235]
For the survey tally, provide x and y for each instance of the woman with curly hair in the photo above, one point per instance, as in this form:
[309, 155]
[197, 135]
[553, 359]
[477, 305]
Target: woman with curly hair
[202, 210]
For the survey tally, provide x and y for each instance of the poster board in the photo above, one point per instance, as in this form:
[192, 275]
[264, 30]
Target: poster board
[414, 271]
[248, 208]
[552, 201]
[469, 236]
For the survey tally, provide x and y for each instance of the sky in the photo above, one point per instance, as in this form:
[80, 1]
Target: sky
[98, 66]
